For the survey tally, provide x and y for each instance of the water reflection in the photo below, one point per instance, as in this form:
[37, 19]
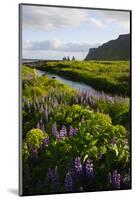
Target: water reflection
[73, 84]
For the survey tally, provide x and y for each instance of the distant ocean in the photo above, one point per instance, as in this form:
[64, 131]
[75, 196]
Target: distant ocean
[36, 60]
[29, 60]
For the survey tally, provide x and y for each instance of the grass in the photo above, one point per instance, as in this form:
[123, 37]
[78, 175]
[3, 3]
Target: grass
[110, 76]
[34, 86]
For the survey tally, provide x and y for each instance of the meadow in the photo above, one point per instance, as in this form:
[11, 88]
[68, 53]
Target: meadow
[110, 76]
[74, 141]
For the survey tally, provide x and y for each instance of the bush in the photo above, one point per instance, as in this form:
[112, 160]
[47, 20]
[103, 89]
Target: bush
[33, 142]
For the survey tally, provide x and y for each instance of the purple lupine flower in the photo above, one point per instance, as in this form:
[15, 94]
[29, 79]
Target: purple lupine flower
[71, 131]
[53, 177]
[72, 171]
[61, 134]
[54, 130]
[100, 155]
[68, 183]
[103, 94]
[57, 135]
[75, 131]
[89, 168]
[78, 166]
[116, 180]
[46, 141]
[113, 141]
[55, 180]
[109, 98]
[64, 130]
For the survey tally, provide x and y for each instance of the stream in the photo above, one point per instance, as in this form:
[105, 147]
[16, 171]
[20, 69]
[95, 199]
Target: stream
[74, 84]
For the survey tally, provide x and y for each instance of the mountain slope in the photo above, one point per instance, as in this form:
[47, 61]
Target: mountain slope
[118, 49]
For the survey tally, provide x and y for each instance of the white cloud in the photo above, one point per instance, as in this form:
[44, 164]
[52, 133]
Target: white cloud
[56, 45]
[96, 22]
[53, 55]
[48, 18]
[120, 18]
[27, 44]
[42, 45]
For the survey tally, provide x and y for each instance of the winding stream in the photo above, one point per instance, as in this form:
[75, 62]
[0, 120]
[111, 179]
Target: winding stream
[73, 84]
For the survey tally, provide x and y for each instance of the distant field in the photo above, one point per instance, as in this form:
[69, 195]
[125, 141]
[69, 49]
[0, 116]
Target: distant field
[109, 76]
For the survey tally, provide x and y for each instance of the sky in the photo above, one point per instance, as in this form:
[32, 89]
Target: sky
[53, 33]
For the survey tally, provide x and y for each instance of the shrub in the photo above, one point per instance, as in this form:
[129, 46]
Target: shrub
[33, 142]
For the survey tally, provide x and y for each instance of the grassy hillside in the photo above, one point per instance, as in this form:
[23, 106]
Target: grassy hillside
[109, 76]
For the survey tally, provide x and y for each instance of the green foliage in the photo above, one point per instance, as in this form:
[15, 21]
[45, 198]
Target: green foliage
[33, 141]
[102, 127]
[95, 131]
[110, 76]
[118, 109]
[34, 86]
[35, 138]
[25, 151]
[27, 73]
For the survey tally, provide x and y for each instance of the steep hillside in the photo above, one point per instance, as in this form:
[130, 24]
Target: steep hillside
[118, 49]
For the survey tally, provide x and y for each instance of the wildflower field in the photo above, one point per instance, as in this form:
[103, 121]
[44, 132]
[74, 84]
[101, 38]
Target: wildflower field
[74, 141]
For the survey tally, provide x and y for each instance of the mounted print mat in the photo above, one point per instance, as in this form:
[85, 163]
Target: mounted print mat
[75, 91]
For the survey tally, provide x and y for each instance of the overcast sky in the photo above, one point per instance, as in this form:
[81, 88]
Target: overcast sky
[52, 33]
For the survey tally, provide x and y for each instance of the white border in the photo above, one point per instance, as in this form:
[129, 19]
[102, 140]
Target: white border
[9, 98]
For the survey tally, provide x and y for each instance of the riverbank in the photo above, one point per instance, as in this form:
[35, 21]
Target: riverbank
[38, 87]
[71, 83]
[110, 76]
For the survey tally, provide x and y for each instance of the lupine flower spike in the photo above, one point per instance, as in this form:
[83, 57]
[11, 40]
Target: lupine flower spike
[68, 183]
